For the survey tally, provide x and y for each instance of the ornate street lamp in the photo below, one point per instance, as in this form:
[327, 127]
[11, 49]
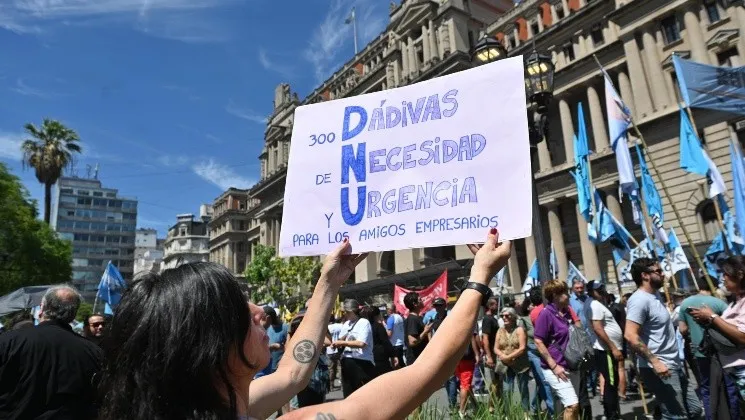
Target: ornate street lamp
[539, 90]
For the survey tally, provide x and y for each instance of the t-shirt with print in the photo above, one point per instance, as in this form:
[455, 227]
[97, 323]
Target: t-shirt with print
[656, 328]
[395, 324]
[489, 328]
[414, 327]
[359, 330]
[600, 313]
[694, 328]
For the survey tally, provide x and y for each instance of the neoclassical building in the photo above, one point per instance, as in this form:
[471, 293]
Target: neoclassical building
[633, 39]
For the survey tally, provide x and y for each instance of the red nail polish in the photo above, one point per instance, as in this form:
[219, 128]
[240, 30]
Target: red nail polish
[346, 240]
[493, 231]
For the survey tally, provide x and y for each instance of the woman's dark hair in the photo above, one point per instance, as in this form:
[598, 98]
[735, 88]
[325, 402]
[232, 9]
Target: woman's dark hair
[735, 268]
[168, 346]
[370, 313]
[411, 301]
[295, 323]
[536, 295]
[522, 310]
[272, 314]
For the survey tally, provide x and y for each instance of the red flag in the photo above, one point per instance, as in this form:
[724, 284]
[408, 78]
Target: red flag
[438, 289]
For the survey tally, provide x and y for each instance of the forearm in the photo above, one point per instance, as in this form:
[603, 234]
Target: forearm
[488, 350]
[639, 347]
[543, 351]
[299, 366]
[729, 330]
[351, 344]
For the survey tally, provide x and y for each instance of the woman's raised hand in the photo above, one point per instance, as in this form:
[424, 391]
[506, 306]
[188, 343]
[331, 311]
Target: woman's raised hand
[340, 264]
[489, 258]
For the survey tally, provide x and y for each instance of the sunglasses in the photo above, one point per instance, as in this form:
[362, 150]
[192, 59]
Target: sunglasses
[506, 316]
[658, 271]
[97, 324]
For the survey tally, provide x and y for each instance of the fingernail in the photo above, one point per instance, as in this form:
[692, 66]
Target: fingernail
[493, 231]
[346, 240]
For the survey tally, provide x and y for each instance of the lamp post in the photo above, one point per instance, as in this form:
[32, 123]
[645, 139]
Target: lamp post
[539, 86]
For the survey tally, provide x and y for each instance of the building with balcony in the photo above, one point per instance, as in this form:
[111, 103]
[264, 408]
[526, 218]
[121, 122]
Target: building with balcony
[187, 241]
[228, 230]
[634, 41]
[101, 226]
[148, 251]
[424, 39]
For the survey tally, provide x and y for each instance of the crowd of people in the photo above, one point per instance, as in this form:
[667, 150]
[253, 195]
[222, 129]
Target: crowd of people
[188, 343]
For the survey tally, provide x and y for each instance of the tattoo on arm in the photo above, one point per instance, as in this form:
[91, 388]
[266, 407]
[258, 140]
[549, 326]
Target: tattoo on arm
[304, 351]
[643, 351]
[325, 416]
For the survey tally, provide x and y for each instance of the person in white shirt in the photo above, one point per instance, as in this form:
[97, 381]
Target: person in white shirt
[394, 325]
[608, 344]
[356, 340]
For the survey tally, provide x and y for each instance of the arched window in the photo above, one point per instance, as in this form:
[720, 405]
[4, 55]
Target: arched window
[707, 219]
[387, 263]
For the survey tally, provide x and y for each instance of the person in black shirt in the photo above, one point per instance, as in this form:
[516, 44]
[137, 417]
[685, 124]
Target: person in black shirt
[383, 352]
[47, 372]
[416, 332]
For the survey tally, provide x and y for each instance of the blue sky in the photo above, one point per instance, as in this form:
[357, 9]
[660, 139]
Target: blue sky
[169, 96]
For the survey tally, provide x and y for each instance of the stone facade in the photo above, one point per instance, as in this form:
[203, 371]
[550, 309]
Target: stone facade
[228, 230]
[633, 39]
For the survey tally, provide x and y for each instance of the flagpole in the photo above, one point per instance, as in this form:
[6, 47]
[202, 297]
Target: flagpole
[354, 28]
[667, 193]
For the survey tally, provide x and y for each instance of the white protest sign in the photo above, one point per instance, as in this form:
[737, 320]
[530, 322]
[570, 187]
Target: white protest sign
[431, 164]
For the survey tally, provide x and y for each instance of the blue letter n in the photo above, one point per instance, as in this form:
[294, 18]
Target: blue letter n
[357, 163]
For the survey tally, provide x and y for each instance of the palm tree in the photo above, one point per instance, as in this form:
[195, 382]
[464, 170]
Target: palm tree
[49, 151]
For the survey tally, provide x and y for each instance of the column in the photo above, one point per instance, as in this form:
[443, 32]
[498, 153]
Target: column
[413, 65]
[656, 77]
[433, 40]
[407, 259]
[597, 119]
[589, 254]
[557, 237]
[554, 15]
[513, 270]
[463, 253]
[539, 17]
[367, 269]
[544, 156]
[425, 44]
[636, 73]
[567, 129]
[529, 250]
[614, 205]
[404, 60]
[695, 36]
[396, 75]
[739, 13]
[451, 35]
[624, 85]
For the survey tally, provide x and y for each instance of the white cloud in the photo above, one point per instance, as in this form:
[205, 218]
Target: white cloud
[10, 146]
[332, 42]
[245, 113]
[179, 20]
[271, 65]
[221, 175]
[170, 160]
[23, 88]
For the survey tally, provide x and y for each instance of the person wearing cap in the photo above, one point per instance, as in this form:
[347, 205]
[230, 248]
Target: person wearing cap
[607, 344]
[440, 308]
[356, 340]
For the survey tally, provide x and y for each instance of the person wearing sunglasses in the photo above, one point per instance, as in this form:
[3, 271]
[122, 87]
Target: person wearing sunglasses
[651, 335]
[93, 328]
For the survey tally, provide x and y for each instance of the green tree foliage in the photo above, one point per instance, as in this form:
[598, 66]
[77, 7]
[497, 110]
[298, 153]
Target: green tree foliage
[84, 311]
[49, 151]
[285, 281]
[30, 252]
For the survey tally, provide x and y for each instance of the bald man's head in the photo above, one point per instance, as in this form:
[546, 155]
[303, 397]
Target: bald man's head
[61, 304]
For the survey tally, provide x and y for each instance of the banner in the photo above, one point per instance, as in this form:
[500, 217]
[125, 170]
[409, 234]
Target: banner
[432, 164]
[705, 86]
[438, 289]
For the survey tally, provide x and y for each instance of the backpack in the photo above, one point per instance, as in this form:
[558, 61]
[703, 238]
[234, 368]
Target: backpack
[578, 352]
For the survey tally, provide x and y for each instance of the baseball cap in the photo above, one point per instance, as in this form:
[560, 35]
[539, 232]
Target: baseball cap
[595, 285]
[439, 302]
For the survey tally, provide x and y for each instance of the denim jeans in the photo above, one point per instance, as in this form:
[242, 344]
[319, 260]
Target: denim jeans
[543, 390]
[451, 387]
[704, 370]
[675, 395]
[522, 387]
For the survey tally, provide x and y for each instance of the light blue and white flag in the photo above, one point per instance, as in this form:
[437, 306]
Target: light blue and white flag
[619, 119]
[694, 159]
[532, 279]
[112, 285]
[713, 87]
[581, 173]
[574, 274]
[553, 263]
[738, 178]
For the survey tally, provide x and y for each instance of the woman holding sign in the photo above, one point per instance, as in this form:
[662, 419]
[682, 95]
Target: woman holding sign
[185, 344]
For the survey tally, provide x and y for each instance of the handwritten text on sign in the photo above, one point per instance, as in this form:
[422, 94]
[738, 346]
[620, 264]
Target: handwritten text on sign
[431, 164]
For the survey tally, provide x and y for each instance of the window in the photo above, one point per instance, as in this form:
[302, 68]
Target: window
[568, 50]
[182, 231]
[97, 194]
[65, 190]
[729, 58]
[512, 41]
[597, 35]
[83, 192]
[708, 219]
[559, 11]
[535, 28]
[712, 11]
[110, 195]
[670, 29]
